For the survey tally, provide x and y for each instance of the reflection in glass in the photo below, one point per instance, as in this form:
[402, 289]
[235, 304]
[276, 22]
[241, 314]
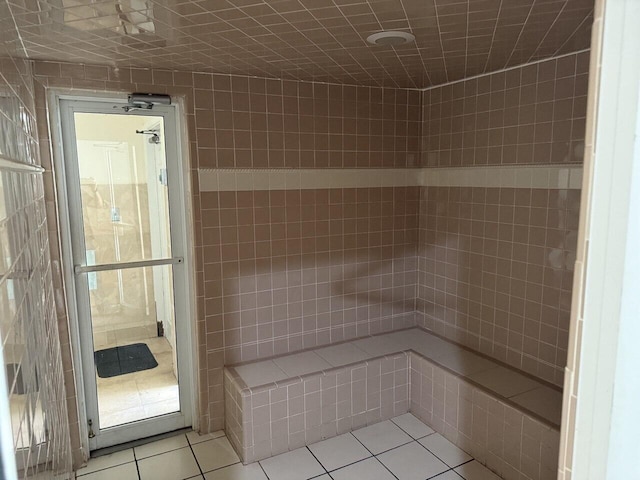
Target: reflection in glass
[125, 202]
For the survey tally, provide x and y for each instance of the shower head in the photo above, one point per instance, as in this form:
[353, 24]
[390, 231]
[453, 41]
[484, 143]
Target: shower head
[154, 138]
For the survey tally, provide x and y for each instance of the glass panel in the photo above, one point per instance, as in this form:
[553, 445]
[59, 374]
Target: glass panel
[123, 181]
[133, 320]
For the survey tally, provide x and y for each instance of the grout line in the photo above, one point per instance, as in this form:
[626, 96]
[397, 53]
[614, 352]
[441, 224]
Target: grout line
[137, 467]
[194, 456]
[162, 453]
[522, 65]
[472, 460]
[312, 454]
[263, 470]
[103, 469]
[376, 456]
[434, 454]
[416, 439]
[351, 463]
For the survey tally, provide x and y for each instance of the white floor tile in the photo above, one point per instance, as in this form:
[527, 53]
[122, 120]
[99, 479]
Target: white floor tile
[412, 462]
[412, 426]
[301, 364]
[296, 465]
[106, 461]
[214, 454]
[544, 401]
[370, 469]
[322, 477]
[445, 450]
[450, 475]
[161, 446]
[476, 471]
[128, 471]
[504, 381]
[343, 354]
[339, 451]
[175, 465]
[195, 437]
[237, 472]
[382, 436]
[259, 373]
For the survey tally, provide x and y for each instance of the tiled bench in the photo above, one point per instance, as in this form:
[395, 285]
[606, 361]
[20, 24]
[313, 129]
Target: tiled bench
[503, 418]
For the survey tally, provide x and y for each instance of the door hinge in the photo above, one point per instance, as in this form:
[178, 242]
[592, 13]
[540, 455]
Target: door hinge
[162, 177]
[91, 434]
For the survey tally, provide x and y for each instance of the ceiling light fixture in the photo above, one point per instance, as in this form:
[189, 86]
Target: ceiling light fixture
[391, 38]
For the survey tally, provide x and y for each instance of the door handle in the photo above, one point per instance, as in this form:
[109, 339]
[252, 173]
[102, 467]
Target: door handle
[78, 269]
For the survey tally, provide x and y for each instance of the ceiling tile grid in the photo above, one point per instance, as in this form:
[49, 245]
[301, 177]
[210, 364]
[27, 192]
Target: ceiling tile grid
[313, 40]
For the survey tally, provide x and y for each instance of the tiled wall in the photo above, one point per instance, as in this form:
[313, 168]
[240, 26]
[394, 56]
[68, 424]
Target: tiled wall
[496, 271]
[529, 115]
[246, 122]
[496, 263]
[28, 325]
[292, 269]
[279, 270]
[260, 123]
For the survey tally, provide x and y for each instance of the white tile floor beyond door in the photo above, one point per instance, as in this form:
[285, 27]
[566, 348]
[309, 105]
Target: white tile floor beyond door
[144, 394]
[399, 449]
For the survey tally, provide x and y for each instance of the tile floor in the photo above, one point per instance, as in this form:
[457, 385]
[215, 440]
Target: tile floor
[134, 396]
[399, 449]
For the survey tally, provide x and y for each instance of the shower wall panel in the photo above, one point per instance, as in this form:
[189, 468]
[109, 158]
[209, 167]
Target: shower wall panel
[31, 350]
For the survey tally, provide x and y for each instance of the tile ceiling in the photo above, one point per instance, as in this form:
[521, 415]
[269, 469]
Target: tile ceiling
[320, 40]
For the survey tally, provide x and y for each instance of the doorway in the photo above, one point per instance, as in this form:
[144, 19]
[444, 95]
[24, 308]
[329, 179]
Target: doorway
[124, 196]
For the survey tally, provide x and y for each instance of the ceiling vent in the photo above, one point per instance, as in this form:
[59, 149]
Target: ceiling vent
[391, 39]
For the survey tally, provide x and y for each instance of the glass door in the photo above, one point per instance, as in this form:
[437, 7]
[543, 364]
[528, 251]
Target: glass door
[122, 172]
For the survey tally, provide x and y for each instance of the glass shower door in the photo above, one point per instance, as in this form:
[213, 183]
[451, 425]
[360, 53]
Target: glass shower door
[119, 189]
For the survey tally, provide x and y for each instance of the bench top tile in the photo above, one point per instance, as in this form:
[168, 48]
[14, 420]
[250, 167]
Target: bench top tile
[523, 390]
[302, 363]
[259, 373]
[342, 354]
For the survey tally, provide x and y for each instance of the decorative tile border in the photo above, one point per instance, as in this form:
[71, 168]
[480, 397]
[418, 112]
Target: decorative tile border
[554, 177]
[306, 178]
[569, 177]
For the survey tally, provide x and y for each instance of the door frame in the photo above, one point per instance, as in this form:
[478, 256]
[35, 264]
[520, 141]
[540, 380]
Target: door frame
[158, 230]
[184, 202]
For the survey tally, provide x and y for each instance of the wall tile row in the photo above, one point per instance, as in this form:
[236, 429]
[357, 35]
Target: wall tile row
[234, 179]
[533, 114]
[252, 122]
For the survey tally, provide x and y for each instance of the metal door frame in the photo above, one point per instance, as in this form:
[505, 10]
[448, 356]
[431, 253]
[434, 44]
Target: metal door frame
[182, 248]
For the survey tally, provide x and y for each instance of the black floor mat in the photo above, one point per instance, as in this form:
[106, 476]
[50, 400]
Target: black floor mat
[115, 361]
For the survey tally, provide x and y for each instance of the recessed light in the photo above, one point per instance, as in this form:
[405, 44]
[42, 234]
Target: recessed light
[391, 38]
